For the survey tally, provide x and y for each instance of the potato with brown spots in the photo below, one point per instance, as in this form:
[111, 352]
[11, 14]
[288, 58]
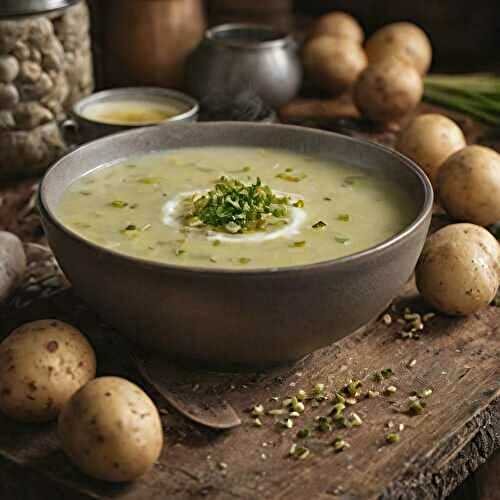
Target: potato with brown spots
[388, 90]
[468, 185]
[403, 40]
[459, 270]
[429, 140]
[111, 430]
[42, 364]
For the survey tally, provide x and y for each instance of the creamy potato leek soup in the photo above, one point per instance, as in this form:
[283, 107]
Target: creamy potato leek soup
[235, 207]
[131, 112]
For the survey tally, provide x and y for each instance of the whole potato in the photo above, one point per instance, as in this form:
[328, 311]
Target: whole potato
[333, 63]
[429, 140]
[42, 364]
[458, 271]
[388, 90]
[403, 40]
[339, 25]
[111, 430]
[468, 185]
[12, 263]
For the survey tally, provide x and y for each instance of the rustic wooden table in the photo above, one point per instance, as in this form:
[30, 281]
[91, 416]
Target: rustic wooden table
[459, 359]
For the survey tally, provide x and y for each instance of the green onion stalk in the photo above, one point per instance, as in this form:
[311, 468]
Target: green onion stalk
[476, 94]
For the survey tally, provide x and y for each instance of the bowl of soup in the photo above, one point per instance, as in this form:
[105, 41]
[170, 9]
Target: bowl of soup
[120, 109]
[236, 244]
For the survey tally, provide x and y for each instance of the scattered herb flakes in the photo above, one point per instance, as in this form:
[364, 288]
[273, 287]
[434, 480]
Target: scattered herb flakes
[342, 239]
[337, 411]
[244, 260]
[301, 395]
[258, 410]
[352, 388]
[387, 372]
[85, 193]
[303, 433]
[119, 204]
[343, 217]
[291, 178]
[299, 204]
[299, 452]
[352, 180]
[149, 180]
[339, 444]
[319, 225]
[392, 437]
[216, 243]
[387, 319]
[416, 407]
[179, 251]
[355, 420]
[327, 198]
[425, 393]
[324, 423]
[298, 244]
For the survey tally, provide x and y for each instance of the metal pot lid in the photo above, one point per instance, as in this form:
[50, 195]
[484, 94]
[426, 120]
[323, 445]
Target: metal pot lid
[21, 8]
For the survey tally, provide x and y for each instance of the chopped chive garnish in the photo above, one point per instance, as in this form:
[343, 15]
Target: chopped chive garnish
[291, 178]
[244, 260]
[343, 217]
[298, 244]
[235, 207]
[393, 437]
[299, 204]
[119, 204]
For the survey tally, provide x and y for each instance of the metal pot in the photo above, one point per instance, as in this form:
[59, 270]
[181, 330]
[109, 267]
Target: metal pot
[233, 58]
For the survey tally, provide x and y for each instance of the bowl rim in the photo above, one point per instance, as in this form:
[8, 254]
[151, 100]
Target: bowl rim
[281, 38]
[139, 92]
[373, 251]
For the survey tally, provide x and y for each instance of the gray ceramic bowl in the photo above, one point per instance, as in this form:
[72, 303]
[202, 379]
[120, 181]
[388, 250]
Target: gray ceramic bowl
[249, 317]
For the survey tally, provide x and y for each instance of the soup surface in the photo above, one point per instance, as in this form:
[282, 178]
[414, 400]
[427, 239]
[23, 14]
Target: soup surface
[131, 112]
[235, 207]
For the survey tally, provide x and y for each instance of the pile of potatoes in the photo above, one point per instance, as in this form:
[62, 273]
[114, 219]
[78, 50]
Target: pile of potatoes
[459, 269]
[458, 272]
[108, 427]
[385, 75]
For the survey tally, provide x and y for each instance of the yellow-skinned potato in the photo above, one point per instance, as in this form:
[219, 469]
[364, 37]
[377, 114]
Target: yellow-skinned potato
[340, 25]
[333, 63]
[388, 90]
[429, 140]
[403, 40]
[111, 430]
[468, 185]
[42, 364]
[458, 271]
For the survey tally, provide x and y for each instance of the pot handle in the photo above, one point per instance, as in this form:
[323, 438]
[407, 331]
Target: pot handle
[70, 131]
